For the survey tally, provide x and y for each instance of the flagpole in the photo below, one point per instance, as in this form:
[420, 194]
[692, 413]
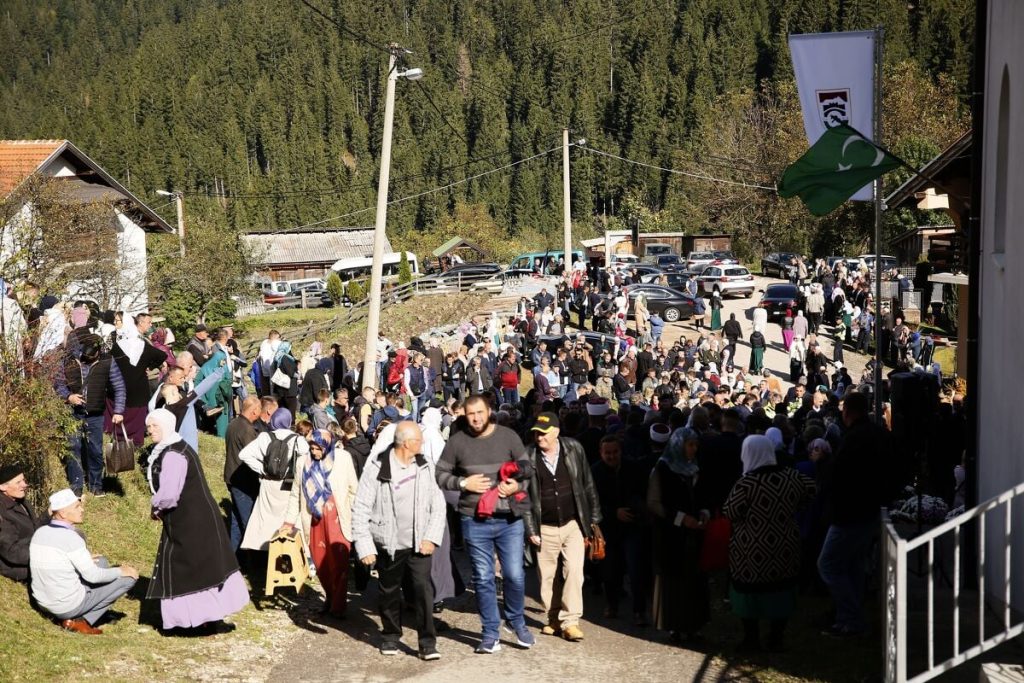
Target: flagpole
[879, 418]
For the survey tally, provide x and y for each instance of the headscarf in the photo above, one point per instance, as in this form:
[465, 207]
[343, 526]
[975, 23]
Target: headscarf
[281, 419]
[758, 451]
[167, 422]
[159, 340]
[284, 349]
[774, 435]
[674, 455]
[825, 446]
[131, 342]
[316, 475]
[433, 442]
[54, 332]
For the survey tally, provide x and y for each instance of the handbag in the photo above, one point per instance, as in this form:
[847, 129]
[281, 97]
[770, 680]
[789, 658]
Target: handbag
[714, 553]
[281, 379]
[121, 454]
[595, 544]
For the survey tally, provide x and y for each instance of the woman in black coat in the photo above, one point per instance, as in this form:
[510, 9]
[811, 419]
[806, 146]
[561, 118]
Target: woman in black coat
[675, 500]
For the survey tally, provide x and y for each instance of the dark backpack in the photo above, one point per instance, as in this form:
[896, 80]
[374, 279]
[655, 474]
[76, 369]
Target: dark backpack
[279, 462]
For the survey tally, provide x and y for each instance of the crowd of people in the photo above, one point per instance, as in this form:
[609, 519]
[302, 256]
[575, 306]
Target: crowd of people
[643, 465]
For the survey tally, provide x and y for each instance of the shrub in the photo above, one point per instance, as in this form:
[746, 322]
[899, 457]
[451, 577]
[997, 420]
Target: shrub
[404, 270]
[335, 288]
[355, 292]
[34, 427]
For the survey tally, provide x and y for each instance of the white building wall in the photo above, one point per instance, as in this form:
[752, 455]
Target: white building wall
[1001, 282]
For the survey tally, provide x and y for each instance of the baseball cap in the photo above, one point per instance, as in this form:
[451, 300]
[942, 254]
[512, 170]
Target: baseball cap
[545, 423]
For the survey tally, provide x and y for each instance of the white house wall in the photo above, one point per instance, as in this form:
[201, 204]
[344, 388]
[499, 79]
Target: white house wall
[1001, 280]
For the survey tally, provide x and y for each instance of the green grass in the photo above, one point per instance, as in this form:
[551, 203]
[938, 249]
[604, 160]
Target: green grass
[33, 648]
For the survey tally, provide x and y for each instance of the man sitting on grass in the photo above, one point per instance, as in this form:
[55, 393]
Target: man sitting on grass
[68, 582]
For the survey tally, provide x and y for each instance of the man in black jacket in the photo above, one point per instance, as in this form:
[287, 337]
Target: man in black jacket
[85, 383]
[563, 511]
[17, 523]
[853, 492]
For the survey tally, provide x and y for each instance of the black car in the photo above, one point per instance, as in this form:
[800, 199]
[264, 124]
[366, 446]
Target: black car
[778, 264]
[779, 298]
[670, 304]
[676, 281]
[670, 263]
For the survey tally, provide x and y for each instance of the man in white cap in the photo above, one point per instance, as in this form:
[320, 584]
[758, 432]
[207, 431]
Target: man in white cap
[70, 583]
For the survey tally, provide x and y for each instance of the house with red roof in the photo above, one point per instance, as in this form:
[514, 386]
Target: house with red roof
[81, 180]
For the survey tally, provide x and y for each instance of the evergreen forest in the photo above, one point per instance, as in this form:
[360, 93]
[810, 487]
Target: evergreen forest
[267, 114]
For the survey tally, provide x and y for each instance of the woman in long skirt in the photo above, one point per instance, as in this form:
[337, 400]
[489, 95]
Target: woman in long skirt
[787, 329]
[321, 501]
[195, 576]
[675, 501]
[757, 346]
[716, 310]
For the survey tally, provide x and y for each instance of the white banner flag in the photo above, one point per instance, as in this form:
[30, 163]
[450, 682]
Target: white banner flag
[835, 77]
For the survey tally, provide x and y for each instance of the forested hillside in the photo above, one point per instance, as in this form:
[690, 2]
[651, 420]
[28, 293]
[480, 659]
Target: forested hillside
[268, 115]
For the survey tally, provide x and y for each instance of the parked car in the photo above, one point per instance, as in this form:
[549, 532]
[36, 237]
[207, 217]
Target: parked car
[888, 262]
[669, 262]
[727, 280]
[778, 298]
[670, 304]
[676, 280]
[725, 257]
[777, 264]
[697, 261]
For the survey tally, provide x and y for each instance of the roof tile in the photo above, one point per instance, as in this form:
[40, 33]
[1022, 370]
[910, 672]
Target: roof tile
[21, 158]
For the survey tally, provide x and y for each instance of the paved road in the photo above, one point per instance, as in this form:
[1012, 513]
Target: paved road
[614, 650]
[776, 358]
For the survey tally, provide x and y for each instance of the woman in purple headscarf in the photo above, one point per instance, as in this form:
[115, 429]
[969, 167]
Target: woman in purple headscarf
[268, 514]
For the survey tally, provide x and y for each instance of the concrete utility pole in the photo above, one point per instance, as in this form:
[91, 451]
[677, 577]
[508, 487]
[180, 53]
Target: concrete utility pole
[369, 376]
[179, 207]
[566, 213]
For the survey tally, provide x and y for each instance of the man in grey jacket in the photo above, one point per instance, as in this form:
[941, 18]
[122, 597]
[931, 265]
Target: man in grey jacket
[398, 520]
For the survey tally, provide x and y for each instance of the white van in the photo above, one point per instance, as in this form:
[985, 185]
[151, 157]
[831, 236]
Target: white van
[289, 286]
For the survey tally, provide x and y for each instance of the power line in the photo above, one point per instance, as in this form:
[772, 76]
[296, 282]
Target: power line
[419, 194]
[346, 30]
[440, 113]
[699, 176]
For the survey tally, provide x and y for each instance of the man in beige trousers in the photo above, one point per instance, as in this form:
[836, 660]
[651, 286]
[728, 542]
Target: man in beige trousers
[564, 511]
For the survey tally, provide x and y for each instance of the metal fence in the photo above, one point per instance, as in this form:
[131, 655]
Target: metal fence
[898, 652]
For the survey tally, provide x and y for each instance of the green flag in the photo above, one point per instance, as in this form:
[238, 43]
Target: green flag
[833, 169]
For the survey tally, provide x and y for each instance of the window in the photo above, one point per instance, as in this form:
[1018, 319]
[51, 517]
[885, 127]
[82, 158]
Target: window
[1002, 154]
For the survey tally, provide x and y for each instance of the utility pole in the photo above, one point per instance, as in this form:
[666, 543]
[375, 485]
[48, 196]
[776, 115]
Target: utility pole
[566, 213]
[369, 376]
[179, 205]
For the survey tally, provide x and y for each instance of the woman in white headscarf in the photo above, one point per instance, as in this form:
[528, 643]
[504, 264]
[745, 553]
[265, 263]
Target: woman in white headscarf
[195, 575]
[764, 549]
[135, 358]
[55, 330]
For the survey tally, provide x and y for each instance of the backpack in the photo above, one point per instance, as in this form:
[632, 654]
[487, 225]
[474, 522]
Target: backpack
[279, 462]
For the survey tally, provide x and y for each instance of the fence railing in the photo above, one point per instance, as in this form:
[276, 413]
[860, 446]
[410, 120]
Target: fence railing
[897, 651]
[358, 311]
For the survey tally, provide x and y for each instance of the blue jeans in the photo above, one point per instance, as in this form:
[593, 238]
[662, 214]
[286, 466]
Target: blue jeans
[86, 454]
[241, 509]
[843, 566]
[483, 537]
[510, 396]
